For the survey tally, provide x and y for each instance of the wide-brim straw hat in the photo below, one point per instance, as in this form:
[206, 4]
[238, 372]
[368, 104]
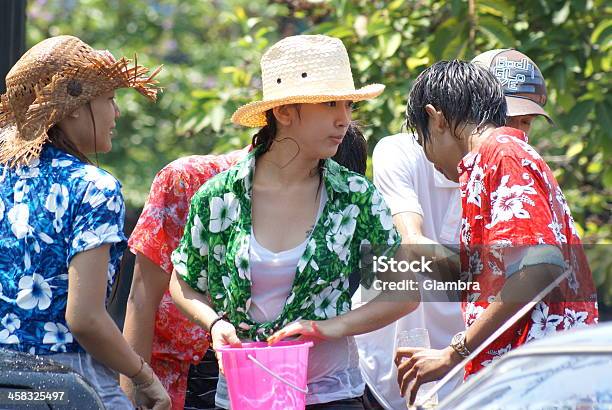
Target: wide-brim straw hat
[304, 69]
[51, 80]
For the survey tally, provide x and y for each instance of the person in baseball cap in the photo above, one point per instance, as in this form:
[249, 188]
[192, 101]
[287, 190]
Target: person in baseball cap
[522, 82]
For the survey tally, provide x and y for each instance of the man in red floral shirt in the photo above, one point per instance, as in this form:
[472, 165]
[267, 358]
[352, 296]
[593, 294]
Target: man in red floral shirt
[517, 232]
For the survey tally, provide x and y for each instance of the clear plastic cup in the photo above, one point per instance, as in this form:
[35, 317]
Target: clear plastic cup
[418, 337]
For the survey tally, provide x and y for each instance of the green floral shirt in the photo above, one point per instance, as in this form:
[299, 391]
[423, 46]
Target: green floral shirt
[213, 255]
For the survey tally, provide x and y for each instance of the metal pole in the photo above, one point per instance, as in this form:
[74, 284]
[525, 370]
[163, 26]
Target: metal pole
[12, 35]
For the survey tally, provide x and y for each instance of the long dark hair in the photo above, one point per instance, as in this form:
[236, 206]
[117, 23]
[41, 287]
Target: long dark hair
[60, 140]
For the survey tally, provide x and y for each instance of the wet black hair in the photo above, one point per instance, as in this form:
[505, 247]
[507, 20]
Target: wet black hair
[465, 93]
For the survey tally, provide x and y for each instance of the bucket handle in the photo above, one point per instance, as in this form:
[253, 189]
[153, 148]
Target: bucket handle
[276, 376]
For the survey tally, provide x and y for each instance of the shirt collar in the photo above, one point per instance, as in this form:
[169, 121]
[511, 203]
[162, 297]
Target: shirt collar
[467, 162]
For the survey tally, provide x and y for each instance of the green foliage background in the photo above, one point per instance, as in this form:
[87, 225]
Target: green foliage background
[211, 49]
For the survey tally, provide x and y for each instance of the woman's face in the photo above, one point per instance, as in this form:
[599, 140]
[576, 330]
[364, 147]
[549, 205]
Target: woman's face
[320, 128]
[79, 127]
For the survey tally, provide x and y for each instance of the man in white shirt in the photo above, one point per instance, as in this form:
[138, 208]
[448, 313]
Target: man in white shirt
[426, 209]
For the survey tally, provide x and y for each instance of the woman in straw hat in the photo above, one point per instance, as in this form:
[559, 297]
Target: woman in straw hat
[269, 244]
[153, 326]
[61, 218]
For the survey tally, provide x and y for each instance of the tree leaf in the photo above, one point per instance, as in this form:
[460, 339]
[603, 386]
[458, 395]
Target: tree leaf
[602, 33]
[392, 45]
[560, 16]
[498, 8]
[496, 31]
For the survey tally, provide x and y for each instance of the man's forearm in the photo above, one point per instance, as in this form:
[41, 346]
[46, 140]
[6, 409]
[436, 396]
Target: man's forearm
[520, 289]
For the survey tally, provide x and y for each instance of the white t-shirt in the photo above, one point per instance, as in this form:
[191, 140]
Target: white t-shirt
[410, 183]
[333, 365]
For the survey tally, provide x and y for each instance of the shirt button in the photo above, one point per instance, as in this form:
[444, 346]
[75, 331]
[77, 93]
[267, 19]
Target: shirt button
[196, 357]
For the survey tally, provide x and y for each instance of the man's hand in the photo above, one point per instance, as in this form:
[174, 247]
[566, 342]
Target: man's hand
[417, 366]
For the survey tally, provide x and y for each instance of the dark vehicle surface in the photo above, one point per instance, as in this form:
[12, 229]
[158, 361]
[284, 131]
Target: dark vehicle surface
[35, 382]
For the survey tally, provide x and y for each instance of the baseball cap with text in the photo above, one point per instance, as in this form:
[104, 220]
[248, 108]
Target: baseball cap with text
[520, 78]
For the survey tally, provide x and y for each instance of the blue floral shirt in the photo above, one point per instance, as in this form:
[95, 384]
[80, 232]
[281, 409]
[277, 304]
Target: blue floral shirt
[51, 210]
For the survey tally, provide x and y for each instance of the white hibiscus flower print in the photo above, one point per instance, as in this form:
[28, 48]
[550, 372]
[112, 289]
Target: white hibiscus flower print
[571, 319]
[543, 323]
[496, 354]
[472, 312]
[94, 197]
[19, 217]
[7, 338]
[223, 212]
[1, 209]
[507, 202]
[11, 322]
[196, 236]
[528, 149]
[29, 171]
[203, 282]
[561, 199]
[475, 186]
[307, 257]
[344, 222]
[34, 292]
[57, 200]
[103, 233]
[465, 233]
[242, 260]
[357, 184]
[339, 244]
[219, 253]
[101, 179]
[325, 302]
[20, 190]
[114, 204]
[556, 228]
[58, 335]
[61, 163]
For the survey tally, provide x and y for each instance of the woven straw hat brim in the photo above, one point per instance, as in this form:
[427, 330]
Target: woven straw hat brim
[253, 114]
[51, 80]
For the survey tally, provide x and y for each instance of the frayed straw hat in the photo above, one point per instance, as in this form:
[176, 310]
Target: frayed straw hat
[304, 69]
[50, 81]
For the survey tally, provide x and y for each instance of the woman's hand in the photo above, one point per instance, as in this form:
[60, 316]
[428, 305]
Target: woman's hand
[223, 333]
[417, 366]
[310, 330]
[149, 393]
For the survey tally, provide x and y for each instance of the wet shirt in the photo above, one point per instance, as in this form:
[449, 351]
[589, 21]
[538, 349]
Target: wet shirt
[512, 205]
[157, 234]
[50, 211]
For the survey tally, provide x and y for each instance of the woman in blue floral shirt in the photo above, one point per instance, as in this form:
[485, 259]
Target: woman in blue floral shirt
[270, 243]
[61, 218]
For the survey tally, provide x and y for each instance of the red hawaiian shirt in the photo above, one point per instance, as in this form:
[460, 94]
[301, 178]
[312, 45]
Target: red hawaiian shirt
[157, 234]
[512, 203]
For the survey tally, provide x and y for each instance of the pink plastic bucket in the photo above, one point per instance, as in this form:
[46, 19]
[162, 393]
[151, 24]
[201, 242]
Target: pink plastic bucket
[267, 377]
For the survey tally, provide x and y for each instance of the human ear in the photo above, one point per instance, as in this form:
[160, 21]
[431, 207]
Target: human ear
[284, 114]
[436, 118]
